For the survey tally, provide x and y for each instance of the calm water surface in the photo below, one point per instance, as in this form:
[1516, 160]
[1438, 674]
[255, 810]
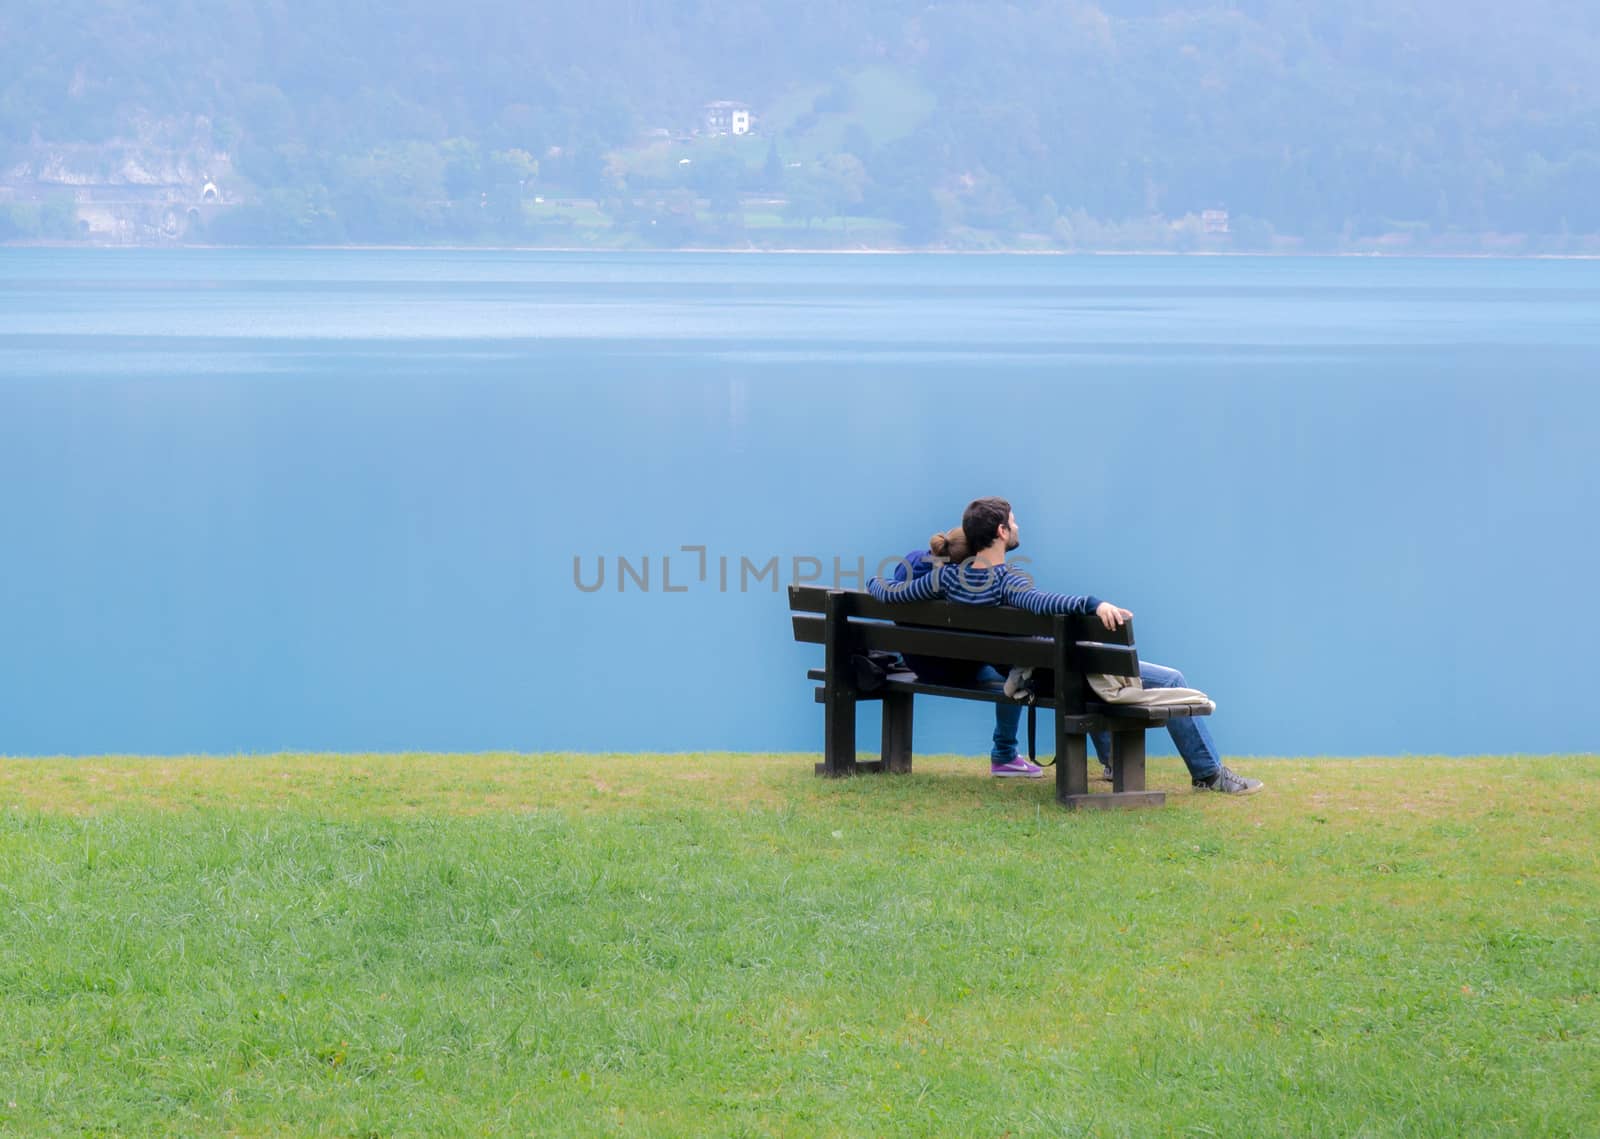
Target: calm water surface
[333, 500]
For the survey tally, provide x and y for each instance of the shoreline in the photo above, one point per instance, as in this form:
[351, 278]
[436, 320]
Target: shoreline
[697, 250]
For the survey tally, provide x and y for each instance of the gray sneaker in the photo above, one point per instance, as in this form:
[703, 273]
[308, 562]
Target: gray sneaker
[1228, 783]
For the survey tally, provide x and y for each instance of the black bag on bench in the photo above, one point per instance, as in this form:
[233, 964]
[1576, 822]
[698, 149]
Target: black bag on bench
[873, 667]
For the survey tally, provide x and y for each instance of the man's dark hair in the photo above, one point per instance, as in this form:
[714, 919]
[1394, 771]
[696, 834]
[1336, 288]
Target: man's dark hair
[982, 520]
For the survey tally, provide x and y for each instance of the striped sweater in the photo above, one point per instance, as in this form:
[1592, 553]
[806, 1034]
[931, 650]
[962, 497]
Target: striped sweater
[974, 584]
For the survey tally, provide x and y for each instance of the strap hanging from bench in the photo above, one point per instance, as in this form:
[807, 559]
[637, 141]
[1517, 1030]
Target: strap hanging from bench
[1032, 725]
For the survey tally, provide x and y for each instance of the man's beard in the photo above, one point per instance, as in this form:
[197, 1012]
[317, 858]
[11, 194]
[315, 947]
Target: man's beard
[1012, 543]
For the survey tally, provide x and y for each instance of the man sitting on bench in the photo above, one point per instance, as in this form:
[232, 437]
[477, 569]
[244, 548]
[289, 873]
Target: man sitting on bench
[991, 530]
[951, 547]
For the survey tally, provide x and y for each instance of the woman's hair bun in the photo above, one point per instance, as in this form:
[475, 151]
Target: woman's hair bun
[951, 545]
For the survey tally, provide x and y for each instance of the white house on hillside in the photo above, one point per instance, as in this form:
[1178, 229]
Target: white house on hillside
[725, 117]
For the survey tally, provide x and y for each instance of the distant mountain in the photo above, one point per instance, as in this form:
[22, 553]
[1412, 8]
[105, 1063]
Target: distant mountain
[1051, 124]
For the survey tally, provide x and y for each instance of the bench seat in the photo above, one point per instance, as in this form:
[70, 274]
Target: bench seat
[1093, 710]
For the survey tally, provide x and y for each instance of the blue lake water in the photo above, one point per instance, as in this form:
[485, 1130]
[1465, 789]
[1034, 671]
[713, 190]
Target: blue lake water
[336, 500]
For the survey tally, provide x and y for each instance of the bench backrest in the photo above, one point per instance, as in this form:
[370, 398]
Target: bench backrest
[847, 621]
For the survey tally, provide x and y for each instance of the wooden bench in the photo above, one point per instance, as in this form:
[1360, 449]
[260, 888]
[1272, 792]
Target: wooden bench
[849, 622]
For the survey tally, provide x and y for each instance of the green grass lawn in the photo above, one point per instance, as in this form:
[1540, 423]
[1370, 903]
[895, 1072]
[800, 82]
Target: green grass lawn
[726, 945]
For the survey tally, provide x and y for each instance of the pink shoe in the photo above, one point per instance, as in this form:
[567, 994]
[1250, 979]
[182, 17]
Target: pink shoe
[1018, 768]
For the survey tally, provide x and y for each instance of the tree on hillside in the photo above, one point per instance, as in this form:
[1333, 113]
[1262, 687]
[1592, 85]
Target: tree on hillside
[772, 169]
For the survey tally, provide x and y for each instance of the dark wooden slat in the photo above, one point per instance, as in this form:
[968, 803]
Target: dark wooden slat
[807, 598]
[1087, 724]
[1002, 619]
[1134, 714]
[994, 619]
[1128, 713]
[974, 618]
[821, 695]
[1089, 631]
[1116, 660]
[906, 682]
[980, 647]
[983, 695]
[955, 692]
[819, 675]
[1100, 717]
[1113, 659]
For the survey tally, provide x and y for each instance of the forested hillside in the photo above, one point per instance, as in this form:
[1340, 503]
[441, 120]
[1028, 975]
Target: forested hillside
[1051, 123]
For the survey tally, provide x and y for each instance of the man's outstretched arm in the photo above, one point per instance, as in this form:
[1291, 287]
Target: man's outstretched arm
[1025, 595]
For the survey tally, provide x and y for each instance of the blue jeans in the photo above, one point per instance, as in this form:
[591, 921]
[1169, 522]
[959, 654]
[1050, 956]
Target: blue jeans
[1190, 734]
[1007, 716]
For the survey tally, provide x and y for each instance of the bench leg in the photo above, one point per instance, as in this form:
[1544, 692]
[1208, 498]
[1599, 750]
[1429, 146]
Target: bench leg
[839, 735]
[897, 732]
[1127, 760]
[1072, 767]
[1127, 773]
